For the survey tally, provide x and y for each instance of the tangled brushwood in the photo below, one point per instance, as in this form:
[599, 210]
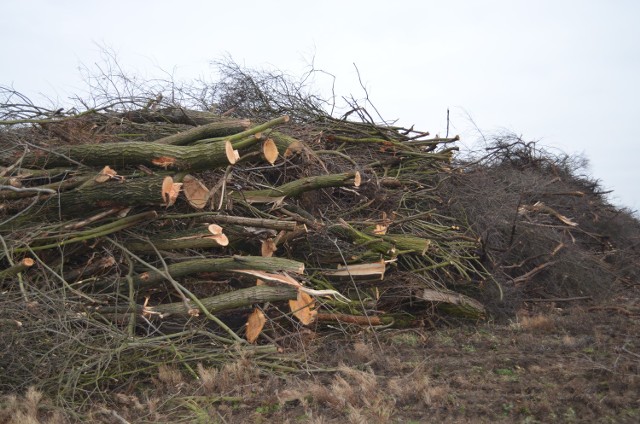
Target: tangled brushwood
[191, 225]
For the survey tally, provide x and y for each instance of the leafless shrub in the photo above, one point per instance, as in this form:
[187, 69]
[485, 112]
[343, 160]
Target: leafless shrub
[264, 94]
[523, 201]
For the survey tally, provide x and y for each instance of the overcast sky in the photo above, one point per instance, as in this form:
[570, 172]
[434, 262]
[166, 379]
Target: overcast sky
[566, 73]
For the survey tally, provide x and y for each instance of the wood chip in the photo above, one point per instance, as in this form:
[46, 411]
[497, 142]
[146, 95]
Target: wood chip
[255, 324]
[163, 161]
[304, 308]
[357, 180]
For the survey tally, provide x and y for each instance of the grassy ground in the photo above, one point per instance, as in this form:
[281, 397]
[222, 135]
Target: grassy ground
[556, 362]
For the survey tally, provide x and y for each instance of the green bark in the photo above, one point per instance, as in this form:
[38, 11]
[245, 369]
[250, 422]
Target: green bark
[214, 129]
[298, 187]
[119, 155]
[222, 265]
[241, 298]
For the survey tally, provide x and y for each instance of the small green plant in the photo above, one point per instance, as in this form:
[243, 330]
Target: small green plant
[524, 410]
[505, 371]
[570, 415]
[469, 348]
[477, 369]
[507, 408]
[268, 409]
[405, 339]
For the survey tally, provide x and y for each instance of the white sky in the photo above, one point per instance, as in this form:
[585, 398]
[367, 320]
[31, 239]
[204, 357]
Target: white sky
[563, 72]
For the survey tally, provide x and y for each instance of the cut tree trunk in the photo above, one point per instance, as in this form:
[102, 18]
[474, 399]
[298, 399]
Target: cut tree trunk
[237, 299]
[118, 155]
[221, 265]
[173, 115]
[295, 188]
[214, 129]
[111, 194]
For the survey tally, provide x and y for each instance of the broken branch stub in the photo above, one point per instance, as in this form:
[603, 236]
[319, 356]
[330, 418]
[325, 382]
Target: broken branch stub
[268, 247]
[255, 324]
[218, 235]
[105, 175]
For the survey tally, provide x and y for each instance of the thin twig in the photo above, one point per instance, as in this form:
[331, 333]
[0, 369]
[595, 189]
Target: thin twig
[61, 278]
[132, 301]
[559, 299]
[202, 308]
[629, 352]
[25, 189]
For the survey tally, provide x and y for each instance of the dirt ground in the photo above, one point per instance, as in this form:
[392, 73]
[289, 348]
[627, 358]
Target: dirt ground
[576, 361]
[555, 363]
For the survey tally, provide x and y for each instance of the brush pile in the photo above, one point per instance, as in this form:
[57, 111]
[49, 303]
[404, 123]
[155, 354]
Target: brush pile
[141, 232]
[137, 234]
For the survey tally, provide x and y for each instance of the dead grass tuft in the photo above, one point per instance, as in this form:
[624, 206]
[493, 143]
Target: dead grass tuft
[238, 378]
[416, 388]
[208, 377]
[537, 323]
[362, 352]
[170, 376]
[357, 392]
[28, 409]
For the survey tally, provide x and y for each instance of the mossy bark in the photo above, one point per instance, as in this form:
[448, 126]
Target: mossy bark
[120, 155]
[214, 129]
[111, 194]
[221, 265]
[297, 187]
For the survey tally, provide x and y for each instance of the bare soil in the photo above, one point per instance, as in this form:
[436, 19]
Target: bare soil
[575, 361]
[554, 363]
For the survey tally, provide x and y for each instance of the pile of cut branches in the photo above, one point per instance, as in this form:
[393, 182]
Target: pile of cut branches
[135, 235]
[240, 218]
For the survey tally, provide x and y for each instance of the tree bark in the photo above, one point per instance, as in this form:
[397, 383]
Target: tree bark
[111, 194]
[236, 299]
[222, 265]
[173, 115]
[295, 188]
[190, 239]
[118, 155]
[214, 129]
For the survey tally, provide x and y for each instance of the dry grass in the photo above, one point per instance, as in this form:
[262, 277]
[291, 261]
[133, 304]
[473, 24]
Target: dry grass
[362, 395]
[536, 323]
[30, 408]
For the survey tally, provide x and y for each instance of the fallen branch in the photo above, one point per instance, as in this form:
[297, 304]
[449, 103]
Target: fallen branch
[153, 155]
[214, 129]
[220, 265]
[242, 298]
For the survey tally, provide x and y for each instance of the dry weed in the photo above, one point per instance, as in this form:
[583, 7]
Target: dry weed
[358, 393]
[29, 408]
[170, 376]
[536, 323]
